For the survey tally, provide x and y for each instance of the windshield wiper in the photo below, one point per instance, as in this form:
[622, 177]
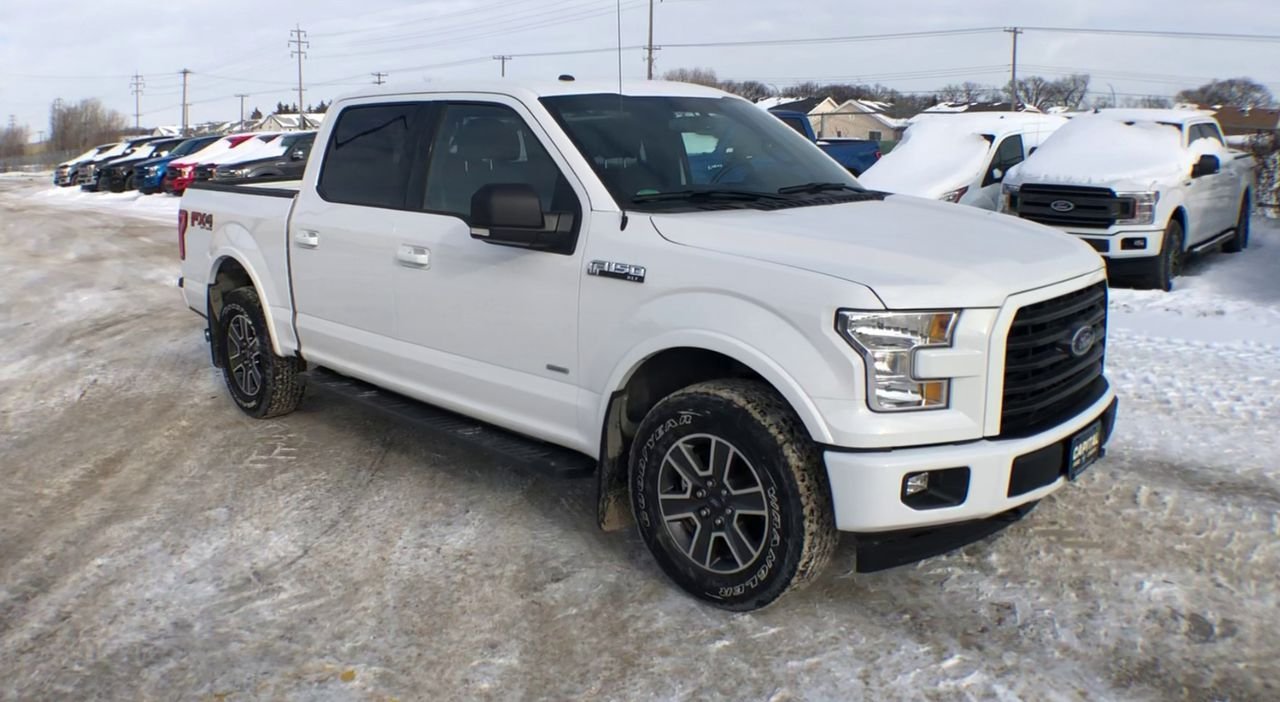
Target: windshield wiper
[713, 194]
[818, 188]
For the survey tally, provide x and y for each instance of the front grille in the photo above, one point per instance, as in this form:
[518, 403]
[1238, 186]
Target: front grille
[1088, 208]
[1044, 381]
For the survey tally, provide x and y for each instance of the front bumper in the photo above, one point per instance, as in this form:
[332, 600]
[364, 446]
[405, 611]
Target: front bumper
[866, 486]
[1119, 243]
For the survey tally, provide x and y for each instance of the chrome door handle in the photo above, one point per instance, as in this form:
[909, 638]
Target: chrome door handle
[307, 238]
[414, 256]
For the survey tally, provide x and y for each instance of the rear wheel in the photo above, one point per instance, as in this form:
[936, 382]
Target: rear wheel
[261, 383]
[1168, 265]
[730, 494]
[1240, 241]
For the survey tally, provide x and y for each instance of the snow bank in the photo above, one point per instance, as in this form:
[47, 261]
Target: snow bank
[1097, 149]
[154, 207]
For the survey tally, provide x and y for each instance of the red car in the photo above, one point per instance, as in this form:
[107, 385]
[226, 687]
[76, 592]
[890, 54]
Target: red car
[179, 174]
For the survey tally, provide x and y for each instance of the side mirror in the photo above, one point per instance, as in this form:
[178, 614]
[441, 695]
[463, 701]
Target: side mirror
[1207, 165]
[997, 174]
[510, 214]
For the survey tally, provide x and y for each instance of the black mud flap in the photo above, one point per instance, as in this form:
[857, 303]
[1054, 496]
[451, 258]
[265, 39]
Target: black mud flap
[530, 455]
[890, 549]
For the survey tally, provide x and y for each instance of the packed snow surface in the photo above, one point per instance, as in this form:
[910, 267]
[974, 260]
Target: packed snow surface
[157, 544]
[933, 158]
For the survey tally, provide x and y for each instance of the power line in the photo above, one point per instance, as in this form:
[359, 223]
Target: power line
[1158, 33]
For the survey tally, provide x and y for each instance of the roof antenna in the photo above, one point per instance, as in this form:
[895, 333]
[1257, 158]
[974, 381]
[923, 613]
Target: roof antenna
[622, 225]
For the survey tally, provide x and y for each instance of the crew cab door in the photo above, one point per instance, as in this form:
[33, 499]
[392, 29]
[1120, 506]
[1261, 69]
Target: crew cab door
[343, 236]
[1007, 154]
[493, 329]
[1210, 198]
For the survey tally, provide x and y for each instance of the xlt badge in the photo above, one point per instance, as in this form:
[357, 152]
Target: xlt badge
[621, 271]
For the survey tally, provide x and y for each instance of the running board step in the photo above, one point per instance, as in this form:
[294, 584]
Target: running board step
[1198, 248]
[530, 455]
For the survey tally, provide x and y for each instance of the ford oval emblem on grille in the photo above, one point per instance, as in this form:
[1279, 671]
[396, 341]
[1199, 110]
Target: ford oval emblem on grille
[1082, 341]
[1062, 205]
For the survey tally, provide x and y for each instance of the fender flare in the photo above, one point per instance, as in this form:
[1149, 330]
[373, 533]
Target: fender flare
[227, 243]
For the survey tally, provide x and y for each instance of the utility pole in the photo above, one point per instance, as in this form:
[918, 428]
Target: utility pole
[298, 45]
[135, 86]
[504, 60]
[242, 96]
[649, 48]
[186, 106]
[379, 77]
[1013, 76]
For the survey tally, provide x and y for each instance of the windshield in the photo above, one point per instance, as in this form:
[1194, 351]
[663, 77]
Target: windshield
[191, 146]
[660, 152]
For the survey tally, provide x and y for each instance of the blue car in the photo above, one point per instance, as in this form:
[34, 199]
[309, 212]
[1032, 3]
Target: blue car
[147, 175]
[856, 155]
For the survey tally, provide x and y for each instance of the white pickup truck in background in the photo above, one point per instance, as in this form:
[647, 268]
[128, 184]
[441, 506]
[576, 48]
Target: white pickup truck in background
[749, 350]
[1143, 187]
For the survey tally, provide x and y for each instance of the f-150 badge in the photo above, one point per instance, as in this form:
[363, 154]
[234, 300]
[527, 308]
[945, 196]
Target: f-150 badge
[621, 271]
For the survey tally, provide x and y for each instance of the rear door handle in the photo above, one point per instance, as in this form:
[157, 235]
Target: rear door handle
[307, 238]
[414, 256]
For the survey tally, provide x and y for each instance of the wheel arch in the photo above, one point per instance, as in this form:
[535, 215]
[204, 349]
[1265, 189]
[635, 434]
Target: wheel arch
[228, 272]
[644, 380]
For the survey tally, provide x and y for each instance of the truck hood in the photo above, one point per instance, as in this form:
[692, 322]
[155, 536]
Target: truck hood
[913, 253]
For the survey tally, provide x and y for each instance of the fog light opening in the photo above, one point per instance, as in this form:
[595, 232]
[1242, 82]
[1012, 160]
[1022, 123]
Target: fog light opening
[1133, 243]
[934, 489]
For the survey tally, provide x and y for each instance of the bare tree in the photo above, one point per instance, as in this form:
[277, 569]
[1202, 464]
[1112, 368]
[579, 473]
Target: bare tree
[13, 139]
[1236, 92]
[1148, 101]
[79, 126]
[1043, 93]
[966, 92]
[698, 76]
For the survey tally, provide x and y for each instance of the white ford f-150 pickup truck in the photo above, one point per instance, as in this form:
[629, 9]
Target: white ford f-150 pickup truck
[669, 289]
[1143, 187]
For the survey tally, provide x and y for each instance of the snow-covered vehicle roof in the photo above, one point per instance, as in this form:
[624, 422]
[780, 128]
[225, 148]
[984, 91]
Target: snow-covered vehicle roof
[532, 90]
[942, 152]
[1130, 148]
[247, 149]
[214, 149]
[1158, 116]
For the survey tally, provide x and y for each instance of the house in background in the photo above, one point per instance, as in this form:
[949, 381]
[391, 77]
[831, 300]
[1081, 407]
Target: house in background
[289, 122]
[852, 119]
[1243, 121]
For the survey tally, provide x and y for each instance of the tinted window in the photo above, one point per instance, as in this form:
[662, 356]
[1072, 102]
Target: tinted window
[1205, 131]
[1008, 155]
[478, 145]
[369, 156]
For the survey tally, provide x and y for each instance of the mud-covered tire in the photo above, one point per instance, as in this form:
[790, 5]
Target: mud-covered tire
[1240, 241]
[1164, 268]
[261, 383]
[736, 431]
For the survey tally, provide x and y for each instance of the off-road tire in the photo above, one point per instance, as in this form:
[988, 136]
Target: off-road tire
[1240, 241]
[795, 536]
[1164, 268]
[279, 385]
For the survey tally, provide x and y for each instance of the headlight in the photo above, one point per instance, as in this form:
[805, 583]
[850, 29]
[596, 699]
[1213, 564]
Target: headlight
[888, 342]
[1009, 198]
[1141, 208]
[955, 195]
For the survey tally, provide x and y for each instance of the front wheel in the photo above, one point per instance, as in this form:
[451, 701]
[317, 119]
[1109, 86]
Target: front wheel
[730, 494]
[1168, 265]
[261, 383]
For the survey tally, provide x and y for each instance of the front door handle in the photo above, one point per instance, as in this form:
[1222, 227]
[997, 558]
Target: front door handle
[414, 256]
[307, 238]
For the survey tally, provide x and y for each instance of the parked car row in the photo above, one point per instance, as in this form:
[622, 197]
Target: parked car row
[169, 164]
[1144, 188]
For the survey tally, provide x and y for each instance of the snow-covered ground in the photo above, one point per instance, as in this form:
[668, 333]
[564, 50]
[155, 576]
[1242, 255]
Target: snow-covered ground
[154, 543]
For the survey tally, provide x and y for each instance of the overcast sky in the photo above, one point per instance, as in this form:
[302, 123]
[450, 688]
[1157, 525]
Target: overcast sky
[89, 48]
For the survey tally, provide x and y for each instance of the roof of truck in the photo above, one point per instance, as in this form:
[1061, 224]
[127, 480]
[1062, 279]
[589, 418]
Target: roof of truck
[534, 89]
[995, 123]
[1181, 117]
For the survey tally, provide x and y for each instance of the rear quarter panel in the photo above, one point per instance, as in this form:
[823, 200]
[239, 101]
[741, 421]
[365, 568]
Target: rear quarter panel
[252, 230]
